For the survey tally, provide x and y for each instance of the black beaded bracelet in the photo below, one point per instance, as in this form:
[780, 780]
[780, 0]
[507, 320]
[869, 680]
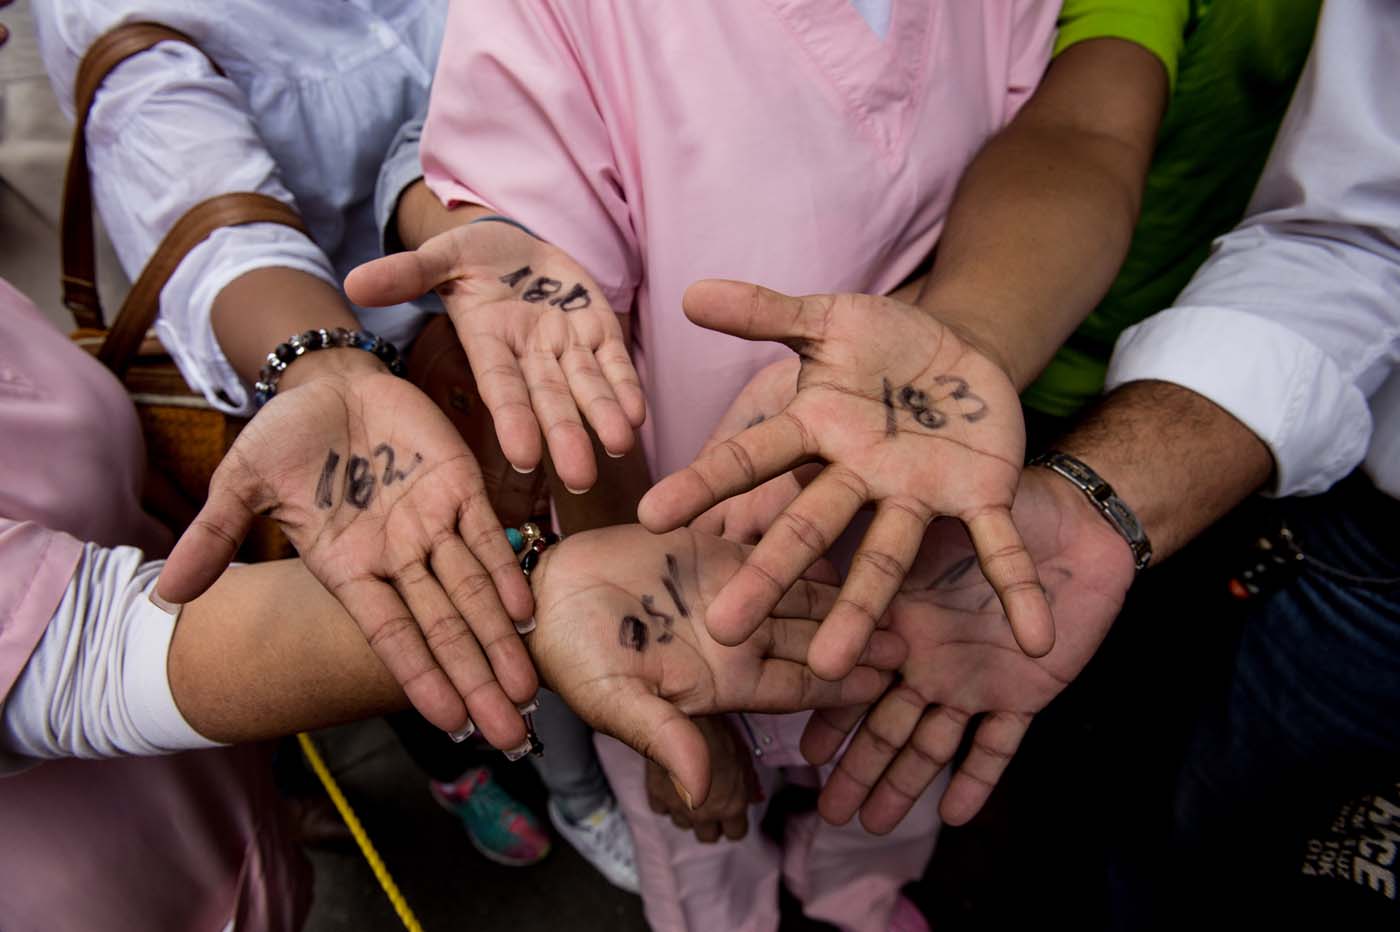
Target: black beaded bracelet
[302, 343]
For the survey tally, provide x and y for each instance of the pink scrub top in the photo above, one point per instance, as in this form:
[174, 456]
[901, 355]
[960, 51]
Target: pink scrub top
[185, 842]
[776, 141]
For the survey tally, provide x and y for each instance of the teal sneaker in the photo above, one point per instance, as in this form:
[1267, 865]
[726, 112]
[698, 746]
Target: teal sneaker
[500, 828]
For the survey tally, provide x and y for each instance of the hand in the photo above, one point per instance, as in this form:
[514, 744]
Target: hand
[384, 502]
[908, 416]
[733, 787]
[962, 662]
[539, 335]
[621, 637]
[746, 517]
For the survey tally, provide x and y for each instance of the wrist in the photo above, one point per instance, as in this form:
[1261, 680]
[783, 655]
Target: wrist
[341, 362]
[1095, 492]
[974, 332]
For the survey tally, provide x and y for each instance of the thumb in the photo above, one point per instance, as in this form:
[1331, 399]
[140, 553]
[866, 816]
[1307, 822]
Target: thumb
[403, 276]
[209, 544]
[756, 313]
[658, 730]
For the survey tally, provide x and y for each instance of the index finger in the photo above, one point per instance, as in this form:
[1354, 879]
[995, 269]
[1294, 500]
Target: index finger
[1010, 569]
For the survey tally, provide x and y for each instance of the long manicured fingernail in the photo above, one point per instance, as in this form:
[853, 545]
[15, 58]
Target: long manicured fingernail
[532, 706]
[514, 754]
[526, 626]
[463, 733]
[523, 472]
[685, 797]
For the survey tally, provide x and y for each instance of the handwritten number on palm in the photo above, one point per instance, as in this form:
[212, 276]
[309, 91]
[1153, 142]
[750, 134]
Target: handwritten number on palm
[907, 417]
[542, 341]
[385, 504]
[621, 637]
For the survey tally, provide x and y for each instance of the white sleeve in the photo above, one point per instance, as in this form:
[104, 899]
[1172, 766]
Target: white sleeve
[1294, 321]
[96, 684]
[166, 132]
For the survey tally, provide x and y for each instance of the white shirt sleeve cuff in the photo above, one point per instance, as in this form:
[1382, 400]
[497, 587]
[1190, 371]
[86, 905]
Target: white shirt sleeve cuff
[146, 678]
[1281, 386]
[185, 327]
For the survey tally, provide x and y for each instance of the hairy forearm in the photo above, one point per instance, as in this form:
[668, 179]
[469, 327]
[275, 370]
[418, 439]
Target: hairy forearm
[1180, 461]
[1044, 215]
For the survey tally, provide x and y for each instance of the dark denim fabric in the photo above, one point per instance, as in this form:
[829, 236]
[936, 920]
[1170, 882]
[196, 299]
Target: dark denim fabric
[1311, 714]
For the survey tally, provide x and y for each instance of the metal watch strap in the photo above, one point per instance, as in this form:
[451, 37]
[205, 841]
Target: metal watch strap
[1101, 494]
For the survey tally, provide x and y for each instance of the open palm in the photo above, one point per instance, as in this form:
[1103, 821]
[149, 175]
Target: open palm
[621, 637]
[539, 334]
[908, 417]
[385, 504]
[963, 662]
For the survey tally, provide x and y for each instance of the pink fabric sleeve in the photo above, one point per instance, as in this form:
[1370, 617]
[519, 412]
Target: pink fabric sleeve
[514, 125]
[1032, 41]
[35, 567]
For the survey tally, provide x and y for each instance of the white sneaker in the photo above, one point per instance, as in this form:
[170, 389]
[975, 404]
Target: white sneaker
[602, 837]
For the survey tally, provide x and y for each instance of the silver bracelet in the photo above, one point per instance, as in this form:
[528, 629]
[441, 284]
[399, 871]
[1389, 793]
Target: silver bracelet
[1102, 496]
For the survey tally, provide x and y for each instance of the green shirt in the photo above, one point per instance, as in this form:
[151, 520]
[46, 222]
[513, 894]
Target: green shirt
[1235, 64]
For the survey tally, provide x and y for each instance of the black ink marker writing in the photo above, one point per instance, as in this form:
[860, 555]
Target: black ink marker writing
[667, 622]
[540, 289]
[672, 583]
[512, 279]
[576, 300]
[633, 634]
[392, 475]
[359, 482]
[962, 393]
[324, 484]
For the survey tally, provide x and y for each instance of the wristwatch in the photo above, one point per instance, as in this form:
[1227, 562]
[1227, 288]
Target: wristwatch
[1102, 496]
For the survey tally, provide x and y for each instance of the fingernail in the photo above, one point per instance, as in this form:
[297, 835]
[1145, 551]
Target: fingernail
[532, 706]
[463, 733]
[514, 754]
[523, 472]
[576, 491]
[526, 626]
[614, 456]
[685, 797]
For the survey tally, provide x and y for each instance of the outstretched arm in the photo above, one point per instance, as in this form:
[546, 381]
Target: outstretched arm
[268, 651]
[919, 416]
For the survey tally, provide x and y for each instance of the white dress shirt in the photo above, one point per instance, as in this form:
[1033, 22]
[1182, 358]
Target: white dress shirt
[1293, 324]
[315, 93]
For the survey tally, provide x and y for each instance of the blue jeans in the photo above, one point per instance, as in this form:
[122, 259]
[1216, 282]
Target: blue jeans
[1311, 714]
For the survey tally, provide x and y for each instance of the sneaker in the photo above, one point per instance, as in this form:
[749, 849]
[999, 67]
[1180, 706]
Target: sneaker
[499, 827]
[602, 837]
[906, 917]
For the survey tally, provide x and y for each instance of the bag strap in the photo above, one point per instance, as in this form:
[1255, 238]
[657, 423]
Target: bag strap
[142, 303]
